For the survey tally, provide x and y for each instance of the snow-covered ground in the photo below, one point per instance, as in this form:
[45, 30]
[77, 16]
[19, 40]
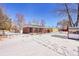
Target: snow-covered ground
[50, 44]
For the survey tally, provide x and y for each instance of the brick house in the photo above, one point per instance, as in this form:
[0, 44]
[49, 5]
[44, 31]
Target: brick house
[36, 29]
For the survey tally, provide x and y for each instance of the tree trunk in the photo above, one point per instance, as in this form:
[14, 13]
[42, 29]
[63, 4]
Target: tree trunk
[21, 31]
[70, 19]
[77, 22]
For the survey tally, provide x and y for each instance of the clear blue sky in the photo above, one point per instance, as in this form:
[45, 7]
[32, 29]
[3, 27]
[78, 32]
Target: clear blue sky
[45, 11]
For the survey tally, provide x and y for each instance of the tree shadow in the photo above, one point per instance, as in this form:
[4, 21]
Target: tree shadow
[59, 36]
[73, 39]
[64, 37]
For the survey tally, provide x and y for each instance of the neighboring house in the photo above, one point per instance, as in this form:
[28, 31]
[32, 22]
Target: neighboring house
[36, 29]
[54, 29]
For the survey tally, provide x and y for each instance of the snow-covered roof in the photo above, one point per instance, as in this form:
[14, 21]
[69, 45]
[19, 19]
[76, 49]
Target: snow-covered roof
[36, 26]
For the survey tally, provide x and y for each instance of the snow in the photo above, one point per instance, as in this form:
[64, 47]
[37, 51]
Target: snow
[49, 44]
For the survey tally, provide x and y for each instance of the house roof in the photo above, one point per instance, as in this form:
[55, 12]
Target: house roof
[37, 26]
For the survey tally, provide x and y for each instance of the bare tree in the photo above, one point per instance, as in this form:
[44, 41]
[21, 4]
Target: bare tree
[20, 22]
[69, 16]
[69, 21]
[63, 24]
[77, 22]
[42, 23]
[34, 21]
